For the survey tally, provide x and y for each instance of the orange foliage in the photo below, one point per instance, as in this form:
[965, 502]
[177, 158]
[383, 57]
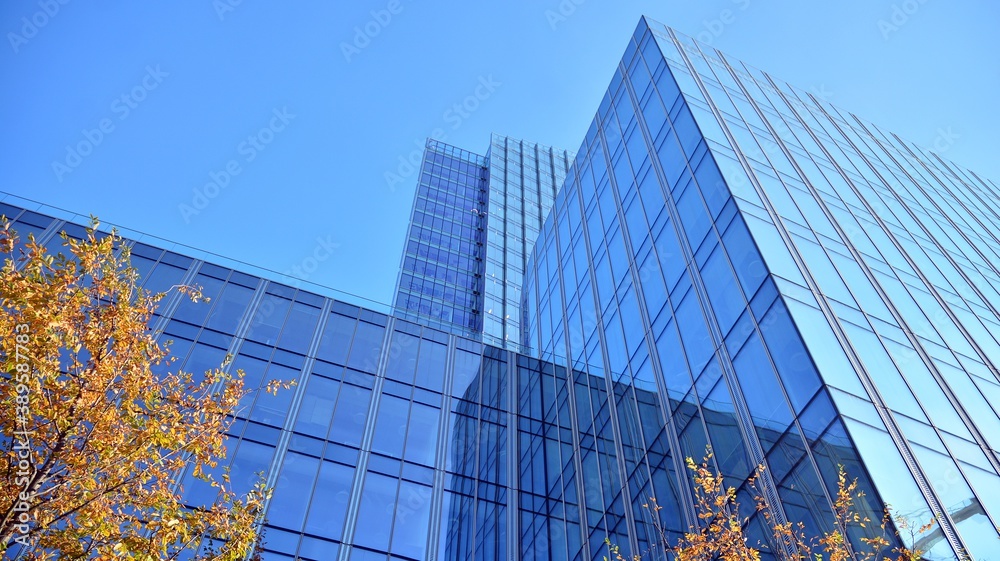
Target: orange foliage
[94, 438]
[720, 534]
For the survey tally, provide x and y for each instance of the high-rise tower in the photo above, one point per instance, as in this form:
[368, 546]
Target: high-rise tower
[473, 223]
[792, 280]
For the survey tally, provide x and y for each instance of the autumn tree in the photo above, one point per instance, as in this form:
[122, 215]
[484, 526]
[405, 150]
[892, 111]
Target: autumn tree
[720, 533]
[834, 545]
[95, 431]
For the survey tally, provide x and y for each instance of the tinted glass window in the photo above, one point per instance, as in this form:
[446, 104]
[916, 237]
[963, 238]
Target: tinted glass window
[349, 419]
[229, 308]
[336, 341]
[300, 327]
[329, 501]
[292, 493]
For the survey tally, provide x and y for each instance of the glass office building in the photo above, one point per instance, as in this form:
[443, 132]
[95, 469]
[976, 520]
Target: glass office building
[399, 441]
[792, 281]
[473, 224]
[729, 262]
[441, 274]
[524, 178]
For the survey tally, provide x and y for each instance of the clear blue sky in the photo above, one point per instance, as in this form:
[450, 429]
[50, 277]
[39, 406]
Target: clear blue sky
[200, 77]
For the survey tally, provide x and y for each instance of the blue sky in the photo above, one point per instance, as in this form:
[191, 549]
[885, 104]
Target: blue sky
[270, 132]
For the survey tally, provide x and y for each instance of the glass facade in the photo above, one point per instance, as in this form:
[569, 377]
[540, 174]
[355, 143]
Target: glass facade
[812, 283]
[726, 261]
[473, 224]
[524, 178]
[399, 441]
[441, 274]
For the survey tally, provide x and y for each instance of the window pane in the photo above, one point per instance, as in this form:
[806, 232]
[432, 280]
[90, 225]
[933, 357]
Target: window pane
[162, 277]
[466, 372]
[292, 493]
[230, 308]
[253, 374]
[329, 504]
[336, 339]
[268, 319]
[723, 292]
[251, 459]
[367, 347]
[390, 427]
[402, 357]
[431, 365]
[299, 328]
[272, 408]
[378, 502]
[409, 536]
[349, 419]
[794, 363]
[195, 312]
[768, 407]
[202, 359]
[422, 434]
[317, 407]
